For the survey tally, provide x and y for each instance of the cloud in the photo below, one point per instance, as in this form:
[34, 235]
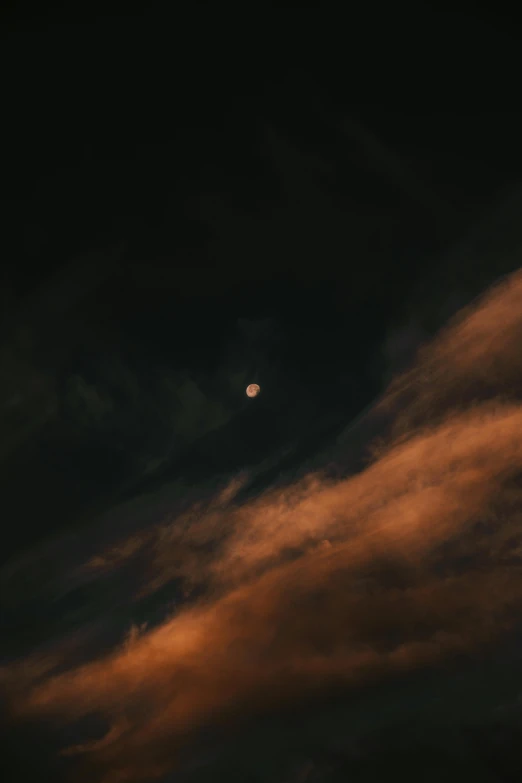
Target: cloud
[325, 584]
[475, 357]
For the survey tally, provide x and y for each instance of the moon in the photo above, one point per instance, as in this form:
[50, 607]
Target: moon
[253, 390]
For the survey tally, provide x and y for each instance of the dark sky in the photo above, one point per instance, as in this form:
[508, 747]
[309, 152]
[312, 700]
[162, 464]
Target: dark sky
[193, 201]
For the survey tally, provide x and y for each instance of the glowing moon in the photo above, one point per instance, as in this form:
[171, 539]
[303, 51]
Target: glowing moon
[253, 390]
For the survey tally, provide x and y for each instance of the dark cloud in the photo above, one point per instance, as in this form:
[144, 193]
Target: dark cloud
[90, 411]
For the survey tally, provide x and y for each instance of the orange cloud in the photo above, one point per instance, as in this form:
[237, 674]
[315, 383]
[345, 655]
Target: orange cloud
[328, 583]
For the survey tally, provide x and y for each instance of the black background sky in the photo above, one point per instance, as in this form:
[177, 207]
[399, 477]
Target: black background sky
[194, 200]
[169, 179]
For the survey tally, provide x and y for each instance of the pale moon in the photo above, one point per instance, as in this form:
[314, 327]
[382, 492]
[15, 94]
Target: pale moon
[253, 390]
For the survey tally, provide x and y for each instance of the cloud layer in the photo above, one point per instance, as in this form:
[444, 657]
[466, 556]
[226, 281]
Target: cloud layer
[326, 584]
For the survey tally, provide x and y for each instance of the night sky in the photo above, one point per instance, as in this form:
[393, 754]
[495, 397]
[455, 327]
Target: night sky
[195, 201]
